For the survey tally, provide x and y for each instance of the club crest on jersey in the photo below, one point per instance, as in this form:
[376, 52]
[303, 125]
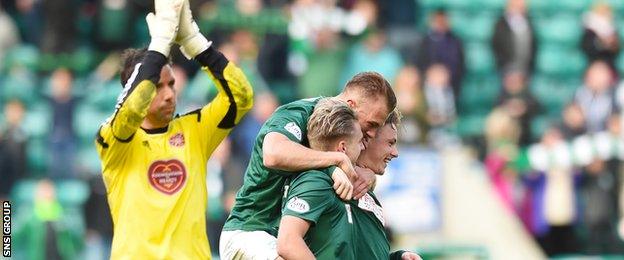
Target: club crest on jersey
[177, 140]
[167, 176]
[298, 205]
[293, 129]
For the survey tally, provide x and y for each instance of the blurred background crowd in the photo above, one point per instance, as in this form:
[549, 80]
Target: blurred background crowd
[530, 91]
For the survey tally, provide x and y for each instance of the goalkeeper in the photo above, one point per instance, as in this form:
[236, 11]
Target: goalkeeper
[154, 164]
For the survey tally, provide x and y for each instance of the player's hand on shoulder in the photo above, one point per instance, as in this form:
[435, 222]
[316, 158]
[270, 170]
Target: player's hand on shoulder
[365, 182]
[342, 184]
[345, 164]
[410, 256]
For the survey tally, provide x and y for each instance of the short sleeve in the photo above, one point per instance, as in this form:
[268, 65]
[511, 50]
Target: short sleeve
[289, 123]
[309, 195]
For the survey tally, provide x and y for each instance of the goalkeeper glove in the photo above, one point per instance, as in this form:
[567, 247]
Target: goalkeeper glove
[191, 41]
[163, 26]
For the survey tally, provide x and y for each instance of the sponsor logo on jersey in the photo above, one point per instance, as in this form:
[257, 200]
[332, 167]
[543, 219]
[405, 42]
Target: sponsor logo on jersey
[293, 129]
[167, 176]
[177, 140]
[298, 205]
[368, 203]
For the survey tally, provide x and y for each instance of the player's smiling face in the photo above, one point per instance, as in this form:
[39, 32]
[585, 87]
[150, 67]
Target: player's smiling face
[161, 110]
[381, 150]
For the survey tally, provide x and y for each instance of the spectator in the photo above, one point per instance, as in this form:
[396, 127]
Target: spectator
[374, 54]
[412, 105]
[516, 98]
[243, 137]
[600, 37]
[514, 42]
[46, 234]
[573, 124]
[99, 224]
[439, 96]
[9, 36]
[440, 45]
[12, 147]
[62, 136]
[596, 97]
[113, 24]
[399, 20]
[599, 196]
[555, 200]
[29, 18]
[59, 26]
[325, 60]
[502, 134]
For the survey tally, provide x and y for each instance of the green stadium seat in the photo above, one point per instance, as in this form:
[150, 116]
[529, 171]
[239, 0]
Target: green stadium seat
[19, 85]
[432, 4]
[559, 29]
[617, 5]
[540, 124]
[88, 159]
[39, 121]
[457, 4]
[577, 6]
[479, 59]
[478, 95]
[22, 55]
[87, 120]
[491, 5]
[555, 60]
[553, 93]
[114, 23]
[141, 38]
[82, 61]
[23, 192]
[72, 192]
[37, 156]
[540, 6]
[473, 26]
[471, 125]
[200, 89]
[105, 96]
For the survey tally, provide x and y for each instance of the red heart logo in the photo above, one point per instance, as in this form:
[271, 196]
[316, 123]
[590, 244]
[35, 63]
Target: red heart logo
[167, 176]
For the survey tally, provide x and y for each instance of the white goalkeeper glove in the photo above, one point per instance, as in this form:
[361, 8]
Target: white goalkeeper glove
[191, 41]
[163, 26]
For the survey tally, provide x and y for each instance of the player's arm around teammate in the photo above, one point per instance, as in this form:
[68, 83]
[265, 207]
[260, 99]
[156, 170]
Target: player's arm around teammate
[315, 223]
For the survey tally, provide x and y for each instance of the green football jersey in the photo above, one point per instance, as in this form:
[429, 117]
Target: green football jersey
[310, 196]
[258, 202]
[371, 241]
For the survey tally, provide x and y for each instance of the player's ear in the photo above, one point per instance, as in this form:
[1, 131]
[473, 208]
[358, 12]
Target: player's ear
[342, 146]
[351, 103]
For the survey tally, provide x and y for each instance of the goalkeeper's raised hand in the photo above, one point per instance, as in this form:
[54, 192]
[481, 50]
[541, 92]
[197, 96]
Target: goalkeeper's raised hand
[191, 41]
[163, 26]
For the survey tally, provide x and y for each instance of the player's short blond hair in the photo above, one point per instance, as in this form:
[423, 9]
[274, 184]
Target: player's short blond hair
[332, 119]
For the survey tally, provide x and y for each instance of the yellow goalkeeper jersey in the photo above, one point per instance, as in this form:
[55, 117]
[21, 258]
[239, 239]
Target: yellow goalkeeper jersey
[156, 179]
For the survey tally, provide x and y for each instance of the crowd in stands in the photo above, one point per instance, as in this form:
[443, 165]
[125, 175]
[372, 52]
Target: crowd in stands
[534, 88]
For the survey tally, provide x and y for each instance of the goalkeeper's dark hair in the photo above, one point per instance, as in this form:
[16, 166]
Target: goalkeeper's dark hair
[129, 59]
[373, 84]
